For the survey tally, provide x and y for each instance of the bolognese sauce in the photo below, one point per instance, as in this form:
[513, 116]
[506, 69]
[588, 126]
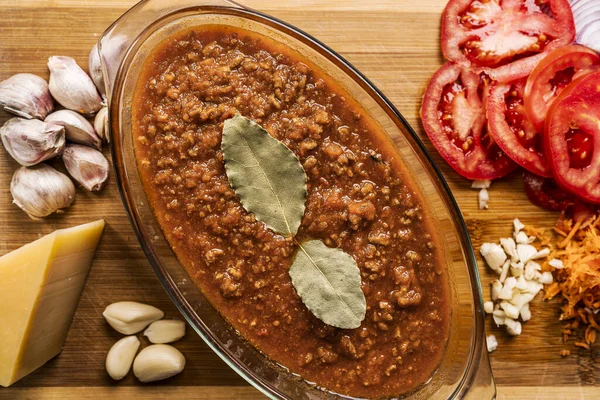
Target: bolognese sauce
[360, 199]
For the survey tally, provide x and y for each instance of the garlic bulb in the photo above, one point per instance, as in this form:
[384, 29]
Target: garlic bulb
[31, 141]
[77, 128]
[72, 87]
[41, 190]
[101, 125]
[26, 95]
[95, 69]
[87, 166]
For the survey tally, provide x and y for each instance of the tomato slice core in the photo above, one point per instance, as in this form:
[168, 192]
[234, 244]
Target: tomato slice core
[453, 115]
[561, 80]
[454, 102]
[580, 147]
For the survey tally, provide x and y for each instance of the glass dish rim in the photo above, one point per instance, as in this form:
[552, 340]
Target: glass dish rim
[396, 116]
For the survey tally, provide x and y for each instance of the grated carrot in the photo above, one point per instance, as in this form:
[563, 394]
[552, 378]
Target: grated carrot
[590, 334]
[582, 345]
[570, 235]
[560, 232]
[578, 282]
[594, 324]
[533, 231]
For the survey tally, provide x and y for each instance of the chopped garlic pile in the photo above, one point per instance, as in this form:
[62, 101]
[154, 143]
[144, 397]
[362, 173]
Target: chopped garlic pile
[520, 279]
[483, 196]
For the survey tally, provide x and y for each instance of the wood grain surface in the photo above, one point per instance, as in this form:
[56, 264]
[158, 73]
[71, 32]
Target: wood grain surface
[393, 42]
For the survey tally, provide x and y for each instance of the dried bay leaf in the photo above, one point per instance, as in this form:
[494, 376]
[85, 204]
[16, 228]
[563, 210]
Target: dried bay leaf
[266, 176]
[270, 182]
[328, 281]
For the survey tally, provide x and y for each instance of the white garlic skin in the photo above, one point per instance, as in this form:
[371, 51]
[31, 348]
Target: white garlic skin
[41, 190]
[77, 128]
[72, 87]
[95, 69]
[27, 96]
[87, 166]
[157, 362]
[31, 141]
[101, 125]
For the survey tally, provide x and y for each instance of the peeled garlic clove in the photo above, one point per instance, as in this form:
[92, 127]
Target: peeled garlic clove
[158, 362]
[31, 141]
[513, 327]
[525, 313]
[87, 166]
[482, 184]
[494, 255]
[95, 69]
[129, 317]
[526, 252]
[120, 357]
[496, 289]
[165, 331]
[72, 87]
[77, 128]
[26, 95]
[491, 343]
[41, 190]
[101, 124]
[488, 307]
[483, 198]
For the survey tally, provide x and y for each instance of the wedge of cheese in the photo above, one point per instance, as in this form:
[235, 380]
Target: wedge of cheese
[40, 286]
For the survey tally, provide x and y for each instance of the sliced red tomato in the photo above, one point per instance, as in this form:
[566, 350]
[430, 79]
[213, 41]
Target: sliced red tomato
[512, 130]
[545, 193]
[453, 115]
[572, 137]
[505, 38]
[583, 211]
[551, 75]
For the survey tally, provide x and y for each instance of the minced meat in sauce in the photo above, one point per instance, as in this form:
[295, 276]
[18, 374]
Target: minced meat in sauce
[359, 199]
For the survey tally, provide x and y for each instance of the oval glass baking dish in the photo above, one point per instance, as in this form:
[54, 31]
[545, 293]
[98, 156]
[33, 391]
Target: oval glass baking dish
[464, 371]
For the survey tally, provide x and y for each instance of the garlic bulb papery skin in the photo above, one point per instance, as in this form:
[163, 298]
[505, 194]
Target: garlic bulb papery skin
[72, 87]
[31, 141]
[87, 166]
[27, 96]
[77, 128]
[95, 69]
[101, 124]
[41, 190]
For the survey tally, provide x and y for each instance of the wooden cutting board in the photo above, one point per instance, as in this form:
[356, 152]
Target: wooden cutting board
[393, 42]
